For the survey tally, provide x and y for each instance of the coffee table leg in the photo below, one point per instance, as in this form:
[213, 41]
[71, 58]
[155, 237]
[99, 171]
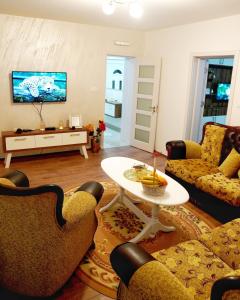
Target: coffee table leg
[152, 227]
[156, 224]
[118, 197]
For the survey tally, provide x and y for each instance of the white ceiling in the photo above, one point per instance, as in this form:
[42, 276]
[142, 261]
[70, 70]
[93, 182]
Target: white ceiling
[157, 13]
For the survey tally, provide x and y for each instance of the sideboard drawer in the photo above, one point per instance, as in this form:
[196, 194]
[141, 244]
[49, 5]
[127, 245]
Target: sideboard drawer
[20, 143]
[72, 138]
[48, 140]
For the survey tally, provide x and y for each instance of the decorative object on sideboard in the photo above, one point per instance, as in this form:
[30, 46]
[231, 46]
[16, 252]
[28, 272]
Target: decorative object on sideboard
[75, 120]
[61, 124]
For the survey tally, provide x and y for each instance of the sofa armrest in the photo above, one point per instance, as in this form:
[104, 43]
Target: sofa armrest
[176, 149]
[145, 277]
[183, 149]
[223, 285]
[127, 258]
[17, 178]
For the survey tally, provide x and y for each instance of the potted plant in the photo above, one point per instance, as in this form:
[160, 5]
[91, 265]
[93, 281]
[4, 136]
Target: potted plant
[96, 140]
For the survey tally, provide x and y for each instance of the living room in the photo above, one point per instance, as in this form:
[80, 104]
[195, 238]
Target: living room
[34, 41]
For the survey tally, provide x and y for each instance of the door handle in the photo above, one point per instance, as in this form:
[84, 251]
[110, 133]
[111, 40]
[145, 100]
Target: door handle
[153, 108]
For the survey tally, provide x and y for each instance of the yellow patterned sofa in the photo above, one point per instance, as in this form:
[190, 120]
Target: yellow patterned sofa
[209, 170]
[204, 269]
[43, 235]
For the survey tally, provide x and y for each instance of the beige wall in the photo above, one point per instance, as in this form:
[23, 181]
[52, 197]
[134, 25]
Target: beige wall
[45, 45]
[80, 50]
[176, 47]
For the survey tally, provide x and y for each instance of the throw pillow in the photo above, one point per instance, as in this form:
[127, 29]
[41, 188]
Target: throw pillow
[231, 164]
[212, 144]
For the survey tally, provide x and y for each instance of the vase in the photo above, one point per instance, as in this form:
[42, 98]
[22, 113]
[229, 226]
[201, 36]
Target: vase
[95, 144]
[42, 125]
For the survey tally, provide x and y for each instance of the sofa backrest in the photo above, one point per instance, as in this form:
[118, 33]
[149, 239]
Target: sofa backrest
[231, 139]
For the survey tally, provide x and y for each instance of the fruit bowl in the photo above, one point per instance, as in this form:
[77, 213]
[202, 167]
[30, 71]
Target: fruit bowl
[154, 190]
[154, 185]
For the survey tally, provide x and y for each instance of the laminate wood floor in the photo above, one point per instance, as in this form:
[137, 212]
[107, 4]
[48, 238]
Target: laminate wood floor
[69, 169]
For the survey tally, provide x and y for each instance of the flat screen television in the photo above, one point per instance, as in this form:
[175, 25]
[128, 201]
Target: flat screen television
[223, 91]
[28, 87]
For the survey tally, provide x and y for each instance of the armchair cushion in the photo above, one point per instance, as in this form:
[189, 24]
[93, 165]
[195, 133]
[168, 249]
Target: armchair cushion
[231, 164]
[193, 149]
[221, 187]
[77, 206]
[190, 169]
[212, 144]
[224, 241]
[195, 266]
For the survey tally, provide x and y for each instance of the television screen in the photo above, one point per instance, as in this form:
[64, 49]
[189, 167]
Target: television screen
[223, 91]
[39, 86]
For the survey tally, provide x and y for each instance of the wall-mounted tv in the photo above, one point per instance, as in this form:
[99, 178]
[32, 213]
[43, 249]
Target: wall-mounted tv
[28, 87]
[223, 91]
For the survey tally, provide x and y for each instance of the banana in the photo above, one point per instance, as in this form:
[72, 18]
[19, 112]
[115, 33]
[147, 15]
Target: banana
[149, 182]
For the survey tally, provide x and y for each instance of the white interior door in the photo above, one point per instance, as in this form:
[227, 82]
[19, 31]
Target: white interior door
[146, 105]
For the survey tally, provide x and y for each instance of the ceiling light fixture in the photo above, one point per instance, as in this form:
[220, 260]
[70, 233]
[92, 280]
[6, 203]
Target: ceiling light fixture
[134, 7]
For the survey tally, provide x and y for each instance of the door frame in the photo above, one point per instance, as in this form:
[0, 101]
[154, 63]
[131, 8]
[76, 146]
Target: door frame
[128, 91]
[190, 123]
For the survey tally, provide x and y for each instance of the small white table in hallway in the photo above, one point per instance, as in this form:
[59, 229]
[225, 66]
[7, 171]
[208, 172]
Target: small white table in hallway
[175, 194]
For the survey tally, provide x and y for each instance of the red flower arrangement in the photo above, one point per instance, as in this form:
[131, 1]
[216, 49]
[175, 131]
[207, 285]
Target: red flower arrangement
[96, 137]
[101, 127]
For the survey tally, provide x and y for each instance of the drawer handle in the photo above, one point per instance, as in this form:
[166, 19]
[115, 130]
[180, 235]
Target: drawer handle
[20, 139]
[75, 134]
[49, 137]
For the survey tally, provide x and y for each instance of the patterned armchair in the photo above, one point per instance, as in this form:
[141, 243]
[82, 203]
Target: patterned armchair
[43, 236]
[204, 269]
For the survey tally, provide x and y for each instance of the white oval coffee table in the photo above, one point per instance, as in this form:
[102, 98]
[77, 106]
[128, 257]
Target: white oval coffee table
[175, 194]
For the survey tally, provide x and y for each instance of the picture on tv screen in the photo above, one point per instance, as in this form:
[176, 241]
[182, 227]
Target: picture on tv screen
[31, 87]
[223, 91]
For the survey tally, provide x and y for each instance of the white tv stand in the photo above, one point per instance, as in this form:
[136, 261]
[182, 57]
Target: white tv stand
[37, 139]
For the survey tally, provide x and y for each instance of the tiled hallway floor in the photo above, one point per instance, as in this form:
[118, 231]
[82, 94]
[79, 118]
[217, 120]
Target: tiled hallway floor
[111, 138]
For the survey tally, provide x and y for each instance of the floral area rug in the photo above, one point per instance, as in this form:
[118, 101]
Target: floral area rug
[119, 225]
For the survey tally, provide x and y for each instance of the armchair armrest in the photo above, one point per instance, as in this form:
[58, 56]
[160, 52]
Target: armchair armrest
[145, 277]
[222, 285]
[82, 202]
[92, 187]
[77, 206]
[17, 178]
